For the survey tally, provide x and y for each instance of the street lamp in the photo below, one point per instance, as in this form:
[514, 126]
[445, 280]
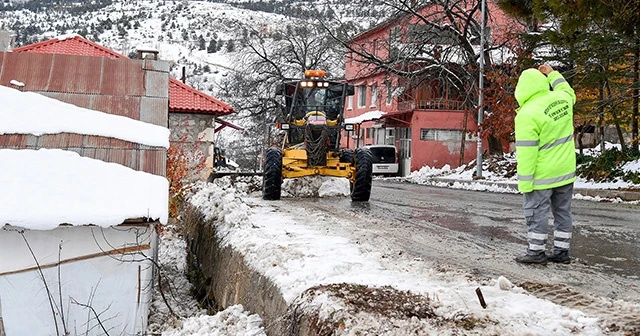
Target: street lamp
[480, 94]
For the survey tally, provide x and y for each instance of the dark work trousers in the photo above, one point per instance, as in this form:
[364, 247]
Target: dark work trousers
[536, 213]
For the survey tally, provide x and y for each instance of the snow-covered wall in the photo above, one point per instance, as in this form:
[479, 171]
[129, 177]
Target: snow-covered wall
[95, 279]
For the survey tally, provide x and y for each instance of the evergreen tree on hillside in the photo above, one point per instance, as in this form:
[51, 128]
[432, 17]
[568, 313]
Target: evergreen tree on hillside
[202, 44]
[231, 46]
[212, 48]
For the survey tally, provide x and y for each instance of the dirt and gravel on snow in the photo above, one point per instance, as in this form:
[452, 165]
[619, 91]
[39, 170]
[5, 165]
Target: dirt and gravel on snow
[477, 235]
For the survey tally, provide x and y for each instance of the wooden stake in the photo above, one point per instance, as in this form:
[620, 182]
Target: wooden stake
[481, 298]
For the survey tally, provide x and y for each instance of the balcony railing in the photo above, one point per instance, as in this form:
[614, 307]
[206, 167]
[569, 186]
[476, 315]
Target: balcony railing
[433, 104]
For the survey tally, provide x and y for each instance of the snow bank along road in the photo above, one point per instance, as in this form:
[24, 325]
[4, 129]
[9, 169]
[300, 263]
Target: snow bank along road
[408, 234]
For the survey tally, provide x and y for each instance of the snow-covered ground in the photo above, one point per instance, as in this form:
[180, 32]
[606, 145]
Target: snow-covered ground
[298, 257]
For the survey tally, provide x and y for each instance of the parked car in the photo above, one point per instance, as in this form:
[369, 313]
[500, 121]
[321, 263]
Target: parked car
[385, 159]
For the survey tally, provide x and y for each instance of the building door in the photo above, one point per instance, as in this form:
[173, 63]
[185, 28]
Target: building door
[404, 150]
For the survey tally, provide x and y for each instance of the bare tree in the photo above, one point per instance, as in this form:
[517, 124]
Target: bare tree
[267, 61]
[437, 40]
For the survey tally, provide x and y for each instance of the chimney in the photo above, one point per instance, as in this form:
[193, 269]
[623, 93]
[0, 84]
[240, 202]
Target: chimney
[6, 40]
[148, 53]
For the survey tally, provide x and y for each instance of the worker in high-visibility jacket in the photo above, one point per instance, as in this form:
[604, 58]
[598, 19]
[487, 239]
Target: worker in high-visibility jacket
[546, 161]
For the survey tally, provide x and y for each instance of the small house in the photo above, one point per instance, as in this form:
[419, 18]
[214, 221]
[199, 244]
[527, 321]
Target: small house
[83, 194]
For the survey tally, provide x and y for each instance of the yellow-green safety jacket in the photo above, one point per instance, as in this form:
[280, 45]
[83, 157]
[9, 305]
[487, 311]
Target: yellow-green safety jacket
[545, 150]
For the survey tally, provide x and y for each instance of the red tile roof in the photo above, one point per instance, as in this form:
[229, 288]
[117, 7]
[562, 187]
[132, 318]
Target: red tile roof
[70, 45]
[182, 98]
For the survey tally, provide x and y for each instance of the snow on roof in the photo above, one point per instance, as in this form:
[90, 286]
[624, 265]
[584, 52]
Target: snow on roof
[16, 83]
[67, 36]
[32, 113]
[368, 116]
[48, 187]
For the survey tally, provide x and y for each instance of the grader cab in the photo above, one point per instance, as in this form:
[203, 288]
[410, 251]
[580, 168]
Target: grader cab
[313, 122]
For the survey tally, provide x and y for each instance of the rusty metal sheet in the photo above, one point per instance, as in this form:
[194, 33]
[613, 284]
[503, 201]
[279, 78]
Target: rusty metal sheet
[134, 158]
[117, 143]
[80, 100]
[119, 105]
[71, 73]
[154, 162]
[30, 69]
[13, 141]
[157, 84]
[155, 111]
[76, 140]
[50, 141]
[88, 152]
[96, 141]
[32, 141]
[122, 77]
[120, 156]
[102, 154]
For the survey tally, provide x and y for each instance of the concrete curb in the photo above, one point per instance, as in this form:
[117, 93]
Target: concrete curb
[625, 195]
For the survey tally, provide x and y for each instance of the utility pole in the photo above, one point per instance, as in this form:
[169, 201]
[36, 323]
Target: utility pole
[480, 94]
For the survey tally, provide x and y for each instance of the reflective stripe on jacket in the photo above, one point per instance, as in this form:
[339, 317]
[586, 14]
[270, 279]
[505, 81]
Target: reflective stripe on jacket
[545, 151]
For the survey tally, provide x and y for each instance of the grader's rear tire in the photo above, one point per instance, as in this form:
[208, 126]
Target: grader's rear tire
[361, 187]
[272, 174]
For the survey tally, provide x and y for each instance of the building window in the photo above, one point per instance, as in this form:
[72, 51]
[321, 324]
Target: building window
[370, 132]
[349, 102]
[374, 95]
[362, 95]
[390, 136]
[351, 58]
[394, 36]
[375, 48]
[389, 88]
[428, 134]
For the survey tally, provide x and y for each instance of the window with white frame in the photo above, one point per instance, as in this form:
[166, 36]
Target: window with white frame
[374, 95]
[390, 136]
[370, 132]
[362, 95]
[389, 89]
[429, 134]
[349, 102]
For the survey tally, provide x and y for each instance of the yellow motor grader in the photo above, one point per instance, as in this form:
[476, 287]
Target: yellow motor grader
[313, 122]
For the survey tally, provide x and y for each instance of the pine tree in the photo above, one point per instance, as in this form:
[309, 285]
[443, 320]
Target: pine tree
[231, 46]
[202, 44]
[212, 48]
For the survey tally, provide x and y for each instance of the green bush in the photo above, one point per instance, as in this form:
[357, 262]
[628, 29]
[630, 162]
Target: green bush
[608, 166]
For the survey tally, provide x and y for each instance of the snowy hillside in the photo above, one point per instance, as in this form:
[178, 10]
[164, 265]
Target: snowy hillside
[205, 37]
[210, 42]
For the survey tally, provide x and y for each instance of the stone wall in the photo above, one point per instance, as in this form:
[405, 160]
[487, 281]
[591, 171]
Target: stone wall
[195, 128]
[222, 278]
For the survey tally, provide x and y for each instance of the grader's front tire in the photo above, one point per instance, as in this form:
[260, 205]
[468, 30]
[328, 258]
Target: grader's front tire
[361, 187]
[272, 174]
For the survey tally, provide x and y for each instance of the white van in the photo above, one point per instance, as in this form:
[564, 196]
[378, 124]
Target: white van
[385, 159]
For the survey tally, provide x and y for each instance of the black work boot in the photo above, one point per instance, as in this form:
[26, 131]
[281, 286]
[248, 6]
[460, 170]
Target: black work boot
[540, 258]
[561, 257]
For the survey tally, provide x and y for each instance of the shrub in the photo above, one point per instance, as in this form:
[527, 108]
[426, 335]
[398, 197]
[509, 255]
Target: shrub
[185, 162]
[607, 166]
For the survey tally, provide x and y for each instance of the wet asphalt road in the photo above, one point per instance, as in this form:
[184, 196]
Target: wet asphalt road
[482, 232]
